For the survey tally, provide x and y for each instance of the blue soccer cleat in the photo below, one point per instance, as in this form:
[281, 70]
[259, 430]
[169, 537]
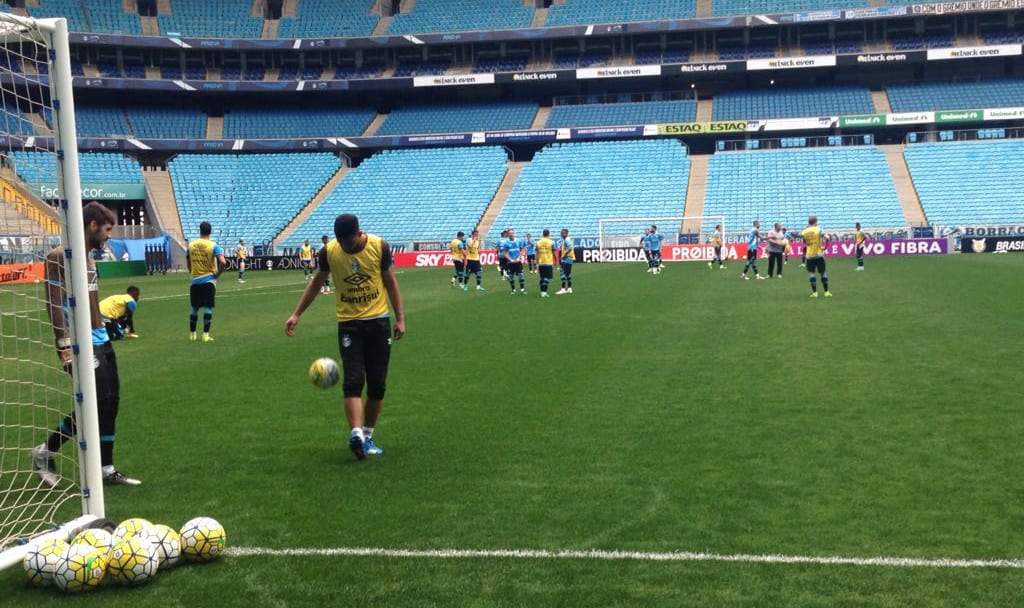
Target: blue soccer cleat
[371, 448]
[358, 447]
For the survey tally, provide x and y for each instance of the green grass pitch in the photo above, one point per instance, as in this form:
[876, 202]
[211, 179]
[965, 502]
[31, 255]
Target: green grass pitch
[686, 412]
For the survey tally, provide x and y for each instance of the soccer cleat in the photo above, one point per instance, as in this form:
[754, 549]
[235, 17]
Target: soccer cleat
[569, 290]
[709, 264]
[465, 288]
[241, 280]
[480, 288]
[560, 292]
[721, 267]
[131, 335]
[522, 291]
[371, 448]
[802, 265]
[207, 338]
[117, 478]
[453, 282]
[42, 462]
[192, 337]
[859, 268]
[358, 447]
[513, 292]
[760, 278]
[744, 277]
[544, 294]
[814, 295]
[828, 294]
[779, 277]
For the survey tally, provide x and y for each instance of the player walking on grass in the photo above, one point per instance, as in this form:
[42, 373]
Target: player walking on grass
[458, 249]
[566, 256]
[716, 241]
[531, 253]
[859, 239]
[473, 262]
[361, 264]
[306, 260]
[654, 239]
[502, 262]
[814, 247]
[645, 244]
[99, 221]
[241, 253]
[514, 250]
[205, 260]
[326, 289]
[545, 261]
[753, 240]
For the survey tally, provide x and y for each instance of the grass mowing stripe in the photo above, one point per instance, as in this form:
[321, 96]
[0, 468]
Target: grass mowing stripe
[674, 556]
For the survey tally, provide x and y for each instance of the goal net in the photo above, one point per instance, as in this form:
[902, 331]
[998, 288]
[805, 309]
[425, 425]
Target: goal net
[35, 391]
[625, 233]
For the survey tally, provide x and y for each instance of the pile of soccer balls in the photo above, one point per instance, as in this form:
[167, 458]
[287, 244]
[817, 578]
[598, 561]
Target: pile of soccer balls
[131, 555]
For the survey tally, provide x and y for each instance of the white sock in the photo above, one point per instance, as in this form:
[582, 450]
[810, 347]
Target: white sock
[367, 432]
[357, 432]
[108, 469]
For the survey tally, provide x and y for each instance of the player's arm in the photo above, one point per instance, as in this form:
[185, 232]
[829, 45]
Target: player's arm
[309, 293]
[222, 262]
[54, 273]
[394, 294]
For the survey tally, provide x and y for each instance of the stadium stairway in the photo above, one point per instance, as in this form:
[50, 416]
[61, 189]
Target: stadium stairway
[541, 118]
[695, 191]
[40, 124]
[214, 127]
[881, 101]
[704, 110]
[150, 27]
[129, 6]
[501, 196]
[909, 201]
[382, 26]
[270, 28]
[290, 8]
[374, 125]
[302, 215]
[540, 17]
[165, 204]
[704, 8]
[163, 7]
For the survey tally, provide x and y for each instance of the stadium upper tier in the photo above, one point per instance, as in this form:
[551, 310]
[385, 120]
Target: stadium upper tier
[585, 12]
[757, 7]
[329, 18]
[211, 18]
[462, 15]
[839, 185]
[957, 96]
[969, 183]
[792, 103]
[250, 196]
[171, 123]
[407, 195]
[294, 123]
[573, 185]
[459, 118]
[638, 113]
[94, 167]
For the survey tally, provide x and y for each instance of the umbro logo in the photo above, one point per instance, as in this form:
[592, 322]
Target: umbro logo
[357, 279]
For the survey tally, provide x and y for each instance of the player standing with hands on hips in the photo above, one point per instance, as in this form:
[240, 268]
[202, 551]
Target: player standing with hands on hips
[361, 265]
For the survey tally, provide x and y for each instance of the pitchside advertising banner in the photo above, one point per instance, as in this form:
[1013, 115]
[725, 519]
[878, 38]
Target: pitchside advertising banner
[997, 244]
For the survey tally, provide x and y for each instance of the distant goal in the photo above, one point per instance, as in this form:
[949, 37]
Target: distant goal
[625, 233]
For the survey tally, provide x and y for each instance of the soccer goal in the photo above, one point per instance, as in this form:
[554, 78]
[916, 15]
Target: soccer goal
[38, 144]
[625, 233]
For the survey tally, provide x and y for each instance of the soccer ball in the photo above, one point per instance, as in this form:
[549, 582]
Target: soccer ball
[133, 561]
[99, 538]
[165, 541]
[41, 560]
[80, 567]
[202, 539]
[324, 372]
[130, 527]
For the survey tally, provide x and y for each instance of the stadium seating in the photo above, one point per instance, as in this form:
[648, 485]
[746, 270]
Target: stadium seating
[586, 12]
[292, 122]
[909, 43]
[660, 57]
[100, 121]
[13, 121]
[167, 123]
[459, 118]
[969, 183]
[587, 60]
[109, 16]
[422, 68]
[731, 53]
[1004, 36]
[329, 18]
[639, 113]
[573, 185]
[70, 9]
[250, 196]
[407, 195]
[759, 7]
[203, 18]
[957, 96]
[792, 103]
[840, 185]
[94, 168]
[462, 15]
[507, 64]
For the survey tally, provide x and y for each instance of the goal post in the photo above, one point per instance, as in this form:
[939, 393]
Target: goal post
[625, 233]
[35, 392]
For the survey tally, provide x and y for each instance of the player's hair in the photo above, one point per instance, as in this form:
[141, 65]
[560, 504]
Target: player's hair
[205, 229]
[325, 238]
[718, 226]
[460, 234]
[346, 225]
[654, 228]
[546, 232]
[858, 226]
[133, 291]
[96, 212]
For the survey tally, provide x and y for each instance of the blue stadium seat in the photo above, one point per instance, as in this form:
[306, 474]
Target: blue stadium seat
[587, 12]
[209, 19]
[459, 118]
[407, 195]
[792, 103]
[1002, 93]
[38, 168]
[99, 121]
[969, 183]
[633, 113]
[841, 185]
[250, 196]
[329, 18]
[167, 123]
[760, 7]
[462, 15]
[573, 185]
[290, 122]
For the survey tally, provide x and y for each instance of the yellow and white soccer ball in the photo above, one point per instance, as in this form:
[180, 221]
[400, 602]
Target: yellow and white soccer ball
[133, 561]
[80, 567]
[130, 527]
[41, 560]
[99, 538]
[202, 539]
[324, 372]
[165, 541]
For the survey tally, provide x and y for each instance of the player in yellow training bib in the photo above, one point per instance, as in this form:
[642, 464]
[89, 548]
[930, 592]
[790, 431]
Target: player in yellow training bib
[545, 249]
[859, 239]
[205, 260]
[473, 261]
[814, 248]
[241, 255]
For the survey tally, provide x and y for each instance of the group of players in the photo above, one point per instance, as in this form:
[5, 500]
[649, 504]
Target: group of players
[540, 257]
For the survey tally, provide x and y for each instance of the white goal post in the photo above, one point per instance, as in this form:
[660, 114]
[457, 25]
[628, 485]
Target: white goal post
[625, 232]
[35, 392]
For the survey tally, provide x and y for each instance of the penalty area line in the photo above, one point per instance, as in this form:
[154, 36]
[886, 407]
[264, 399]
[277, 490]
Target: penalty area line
[675, 556]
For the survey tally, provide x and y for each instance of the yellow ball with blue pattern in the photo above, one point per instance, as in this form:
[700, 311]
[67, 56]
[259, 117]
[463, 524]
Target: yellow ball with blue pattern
[324, 372]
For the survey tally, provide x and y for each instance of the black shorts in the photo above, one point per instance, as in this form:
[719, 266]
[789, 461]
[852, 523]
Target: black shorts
[203, 295]
[365, 347]
[718, 251]
[531, 259]
[546, 271]
[816, 265]
[472, 266]
[108, 387]
[459, 265]
[502, 262]
[751, 255]
[566, 269]
[515, 268]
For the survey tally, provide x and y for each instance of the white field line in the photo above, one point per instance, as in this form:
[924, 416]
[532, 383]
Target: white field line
[675, 556]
